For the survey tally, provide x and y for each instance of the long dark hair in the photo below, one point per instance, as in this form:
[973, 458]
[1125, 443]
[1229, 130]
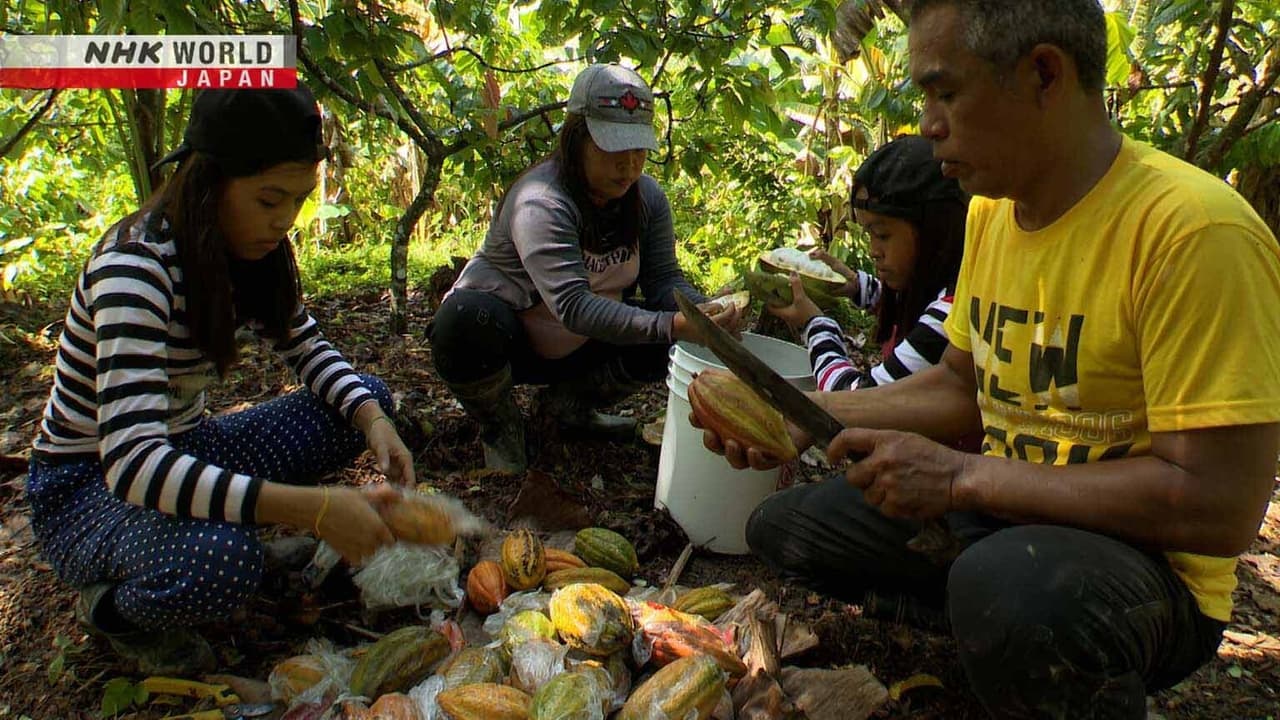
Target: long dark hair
[939, 247]
[602, 231]
[222, 292]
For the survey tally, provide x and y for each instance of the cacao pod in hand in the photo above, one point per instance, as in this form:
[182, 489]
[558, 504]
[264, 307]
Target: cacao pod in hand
[727, 406]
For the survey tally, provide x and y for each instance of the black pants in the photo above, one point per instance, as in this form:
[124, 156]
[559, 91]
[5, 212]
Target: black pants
[1050, 622]
[475, 334]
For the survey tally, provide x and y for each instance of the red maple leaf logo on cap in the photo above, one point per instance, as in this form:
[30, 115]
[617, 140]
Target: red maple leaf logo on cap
[629, 101]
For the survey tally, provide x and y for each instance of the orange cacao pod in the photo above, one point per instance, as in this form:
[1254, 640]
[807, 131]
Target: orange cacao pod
[486, 587]
[395, 706]
[562, 560]
[484, 701]
[292, 676]
[419, 519]
[731, 409]
[524, 561]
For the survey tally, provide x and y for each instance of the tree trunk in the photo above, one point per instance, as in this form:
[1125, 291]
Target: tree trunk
[400, 244]
[1261, 187]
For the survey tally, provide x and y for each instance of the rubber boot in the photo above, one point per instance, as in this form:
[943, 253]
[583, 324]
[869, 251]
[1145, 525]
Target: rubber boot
[573, 404]
[490, 403]
[175, 652]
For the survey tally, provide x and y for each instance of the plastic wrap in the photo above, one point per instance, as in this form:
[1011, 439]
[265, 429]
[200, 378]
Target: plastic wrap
[424, 694]
[515, 603]
[406, 574]
[535, 662]
[334, 668]
[430, 518]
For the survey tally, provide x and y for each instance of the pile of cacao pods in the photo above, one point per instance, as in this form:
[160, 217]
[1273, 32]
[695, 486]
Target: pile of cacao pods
[571, 655]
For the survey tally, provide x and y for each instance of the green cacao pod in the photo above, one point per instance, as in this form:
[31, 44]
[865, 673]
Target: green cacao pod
[526, 626]
[598, 575]
[602, 548]
[708, 602]
[398, 661]
[689, 688]
[570, 696]
[591, 618]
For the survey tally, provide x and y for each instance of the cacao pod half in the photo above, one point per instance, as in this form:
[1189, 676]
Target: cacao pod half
[524, 561]
[689, 688]
[730, 408]
[604, 548]
[398, 661]
[486, 587]
[484, 701]
[591, 618]
[672, 635]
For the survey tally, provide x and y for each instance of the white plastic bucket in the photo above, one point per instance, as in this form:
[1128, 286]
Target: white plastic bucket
[709, 499]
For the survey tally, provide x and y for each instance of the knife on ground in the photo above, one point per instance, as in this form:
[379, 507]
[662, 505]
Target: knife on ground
[934, 539]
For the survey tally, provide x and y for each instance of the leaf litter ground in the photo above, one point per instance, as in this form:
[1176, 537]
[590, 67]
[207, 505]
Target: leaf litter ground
[50, 669]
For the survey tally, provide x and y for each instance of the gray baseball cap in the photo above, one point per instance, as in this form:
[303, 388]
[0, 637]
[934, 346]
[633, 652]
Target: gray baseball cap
[618, 106]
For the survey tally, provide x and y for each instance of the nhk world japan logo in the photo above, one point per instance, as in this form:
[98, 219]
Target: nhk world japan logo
[147, 61]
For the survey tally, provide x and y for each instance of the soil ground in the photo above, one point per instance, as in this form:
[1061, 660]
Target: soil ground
[50, 669]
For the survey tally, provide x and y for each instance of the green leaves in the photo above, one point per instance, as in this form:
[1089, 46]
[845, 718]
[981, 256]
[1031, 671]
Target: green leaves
[119, 695]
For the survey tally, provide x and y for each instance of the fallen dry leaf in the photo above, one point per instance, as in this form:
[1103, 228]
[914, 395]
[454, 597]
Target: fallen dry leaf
[541, 504]
[850, 693]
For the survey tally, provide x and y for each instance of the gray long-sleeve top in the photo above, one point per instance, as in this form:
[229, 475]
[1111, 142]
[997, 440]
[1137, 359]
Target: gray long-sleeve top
[532, 254]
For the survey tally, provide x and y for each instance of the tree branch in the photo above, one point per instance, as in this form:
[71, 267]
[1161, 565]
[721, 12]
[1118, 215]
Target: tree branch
[478, 57]
[12, 142]
[433, 143]
[1211, 71]
[525, 116]
[1250, 102]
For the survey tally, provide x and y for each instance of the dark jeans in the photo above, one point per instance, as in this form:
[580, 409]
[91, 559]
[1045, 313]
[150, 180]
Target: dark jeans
[1050, 622]
[475, 334]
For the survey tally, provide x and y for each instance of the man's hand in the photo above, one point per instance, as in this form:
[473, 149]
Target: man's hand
[903, 474]
[747, 457]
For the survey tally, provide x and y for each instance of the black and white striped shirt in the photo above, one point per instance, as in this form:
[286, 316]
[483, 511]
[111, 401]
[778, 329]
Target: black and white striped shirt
[129, 376]
[921, 348]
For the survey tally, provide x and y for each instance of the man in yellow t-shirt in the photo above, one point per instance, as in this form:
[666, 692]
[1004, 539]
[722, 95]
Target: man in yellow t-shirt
[1115, 321]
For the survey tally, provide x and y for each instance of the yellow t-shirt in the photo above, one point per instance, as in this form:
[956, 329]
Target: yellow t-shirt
[1152, 305]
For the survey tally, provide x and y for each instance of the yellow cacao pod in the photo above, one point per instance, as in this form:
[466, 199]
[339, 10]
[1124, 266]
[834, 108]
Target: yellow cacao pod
[591, 618]
[599, 576]
[524, 561]
[689, 688]
[729, 407]
[419, 519]
[472, 665]
[484, 701]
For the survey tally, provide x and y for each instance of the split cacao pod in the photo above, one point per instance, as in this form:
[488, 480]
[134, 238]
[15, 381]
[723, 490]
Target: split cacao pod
[472, 665]
[570, 696]
[591, 618]
[729, 407]
[395, 706]
[293, 676]
[707, 602]
[603, 548]
[689, 688]
[599, 576]
[398, 661]
[524, 560]
[562, 560]
[484, 701]
[486, 586]
[418, 518]
[672, 635]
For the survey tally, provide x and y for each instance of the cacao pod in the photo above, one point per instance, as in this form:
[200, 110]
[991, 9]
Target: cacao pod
[293, 676]
[349, 710]
[486, 587]
[398, 661]
[484, 701]
[591, 618]
[562, 560]
[603, 548]
[707, 602]
[672, 635]
[730, 408]
[525, 626]
[524, 561]
[570, 696]
[816, 276]
[395, 706]
[689, 688]
[472, 665]
[600, 576]
[418, 518]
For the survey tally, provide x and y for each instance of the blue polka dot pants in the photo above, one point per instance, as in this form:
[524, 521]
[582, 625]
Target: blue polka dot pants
[172, 571]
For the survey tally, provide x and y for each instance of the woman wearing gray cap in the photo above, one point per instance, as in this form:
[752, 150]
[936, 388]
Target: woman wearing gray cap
[551, 298]
[140, 499]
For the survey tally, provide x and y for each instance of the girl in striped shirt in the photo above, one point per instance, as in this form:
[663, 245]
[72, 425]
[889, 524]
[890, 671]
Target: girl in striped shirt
[138, 498]
[915, 218]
